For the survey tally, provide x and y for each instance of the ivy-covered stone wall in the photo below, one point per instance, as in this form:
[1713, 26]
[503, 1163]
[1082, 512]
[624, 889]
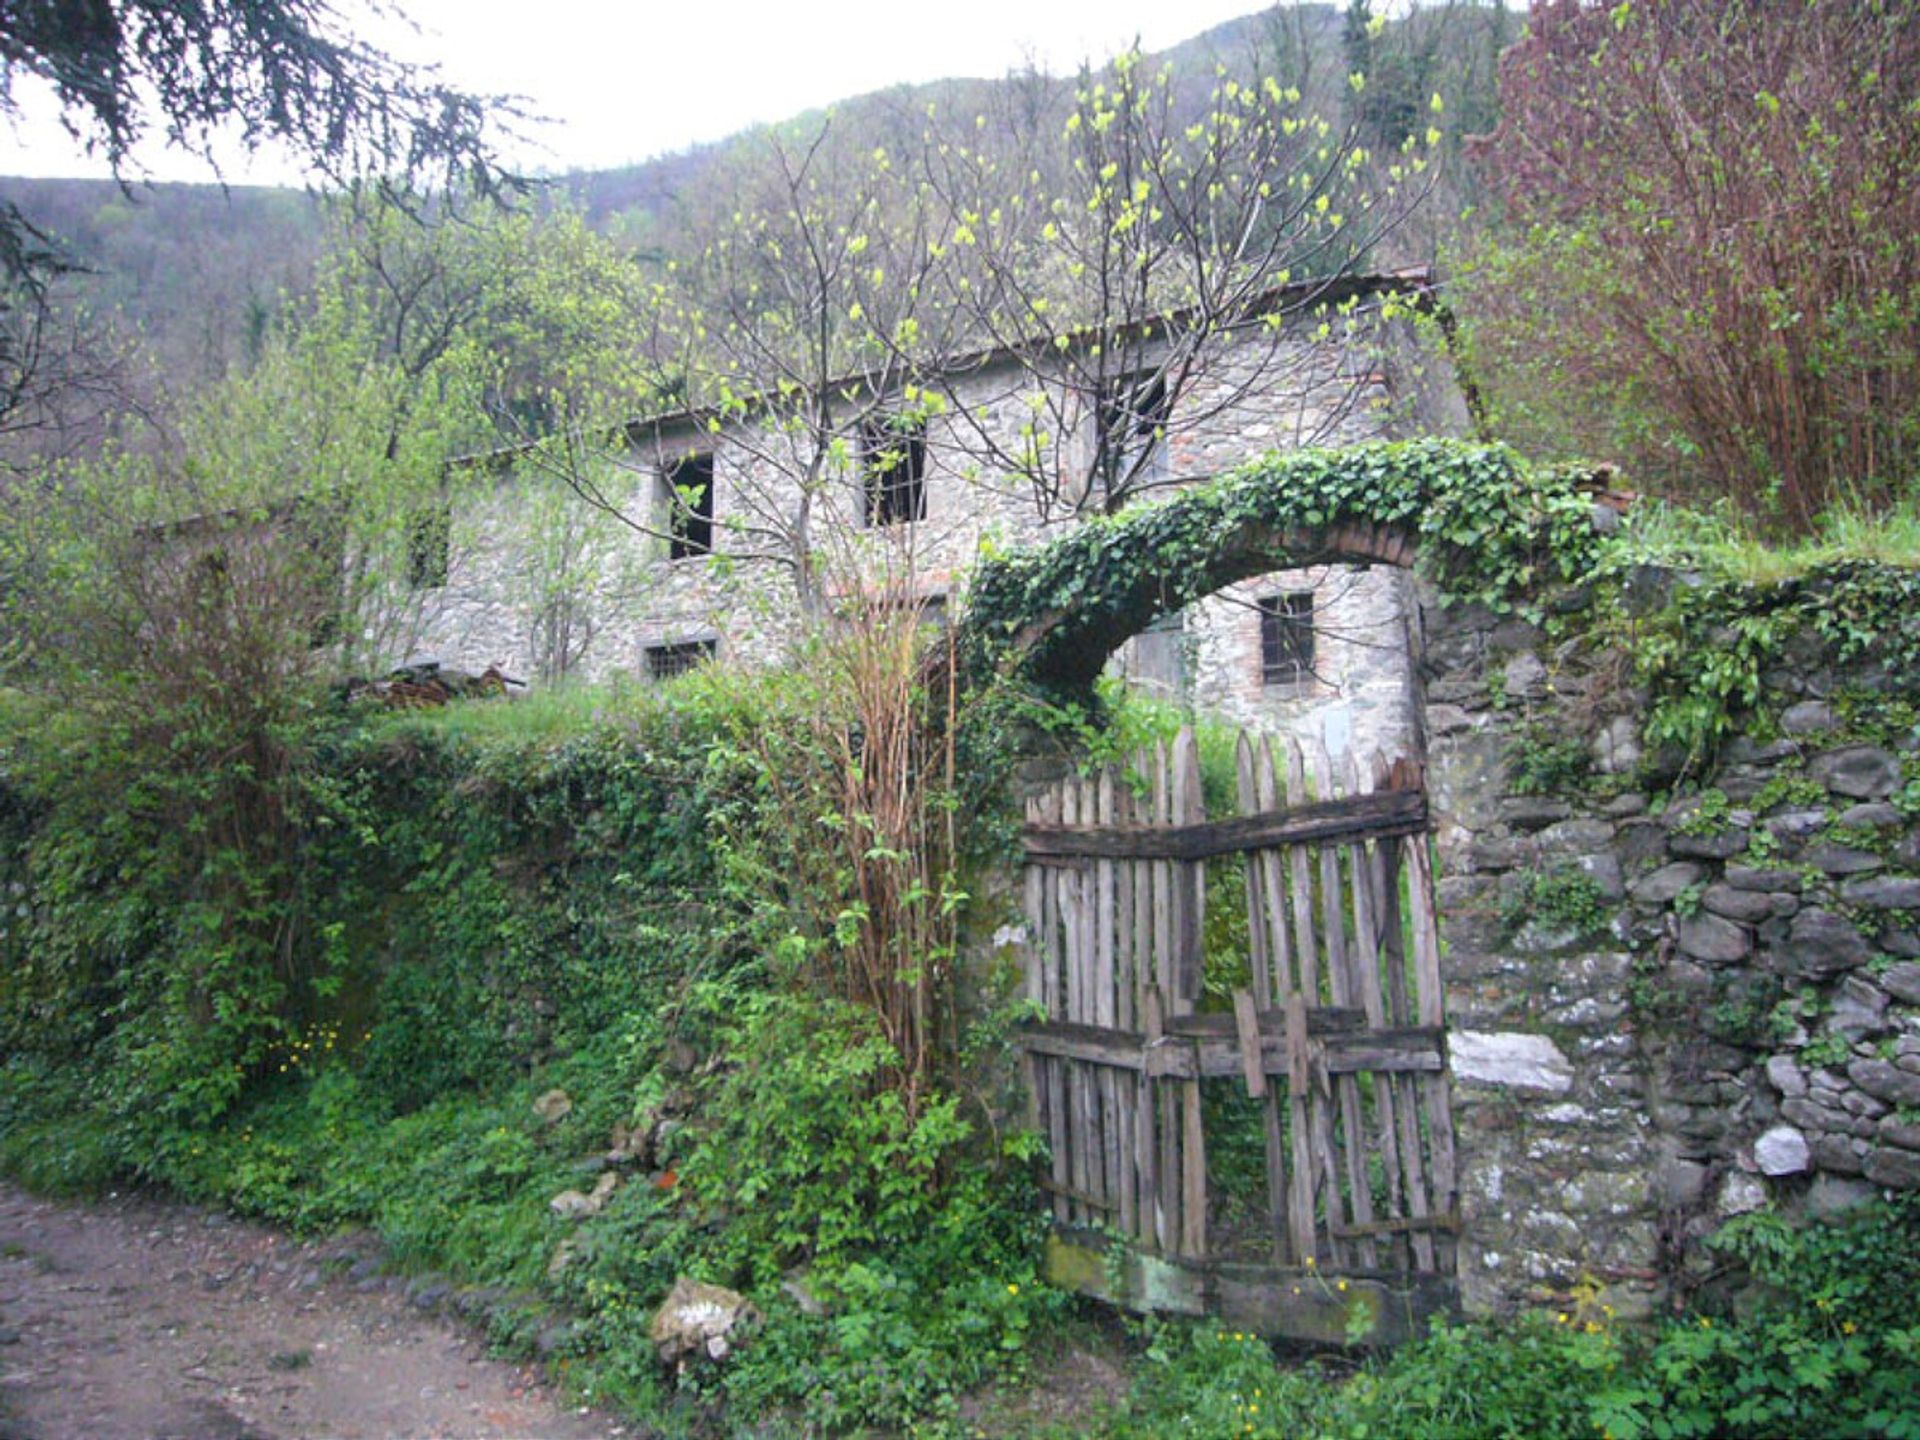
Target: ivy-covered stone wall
[1682, 984]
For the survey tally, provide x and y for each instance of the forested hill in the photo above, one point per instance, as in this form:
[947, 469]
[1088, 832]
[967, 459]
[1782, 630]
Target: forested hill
[198, 271]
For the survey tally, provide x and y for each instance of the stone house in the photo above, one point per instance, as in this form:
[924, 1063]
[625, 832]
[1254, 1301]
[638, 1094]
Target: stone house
[701, 560]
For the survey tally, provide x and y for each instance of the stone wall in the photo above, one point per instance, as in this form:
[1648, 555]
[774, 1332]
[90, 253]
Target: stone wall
[1674, 997]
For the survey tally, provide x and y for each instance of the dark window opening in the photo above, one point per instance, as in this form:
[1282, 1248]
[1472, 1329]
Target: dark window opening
[429, 547]
[1286, 639]
[1131, 426]
[894, 457]
[669, 662]
[689, 505]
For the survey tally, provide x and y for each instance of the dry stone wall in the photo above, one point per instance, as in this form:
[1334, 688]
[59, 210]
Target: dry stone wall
[1675, 996]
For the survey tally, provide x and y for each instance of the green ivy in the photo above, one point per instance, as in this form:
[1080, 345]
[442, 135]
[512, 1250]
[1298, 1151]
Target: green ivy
[1488, 527]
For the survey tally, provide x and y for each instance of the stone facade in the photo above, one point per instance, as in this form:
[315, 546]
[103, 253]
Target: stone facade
[1722, 1011]
[542, 585]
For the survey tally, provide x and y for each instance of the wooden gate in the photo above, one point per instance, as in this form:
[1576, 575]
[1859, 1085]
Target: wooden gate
[1305, 1046]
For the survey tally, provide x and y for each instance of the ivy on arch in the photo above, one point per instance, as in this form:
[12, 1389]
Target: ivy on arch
[1479, 520]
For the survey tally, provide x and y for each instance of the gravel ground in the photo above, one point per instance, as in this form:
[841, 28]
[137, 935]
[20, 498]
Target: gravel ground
[139, 1319]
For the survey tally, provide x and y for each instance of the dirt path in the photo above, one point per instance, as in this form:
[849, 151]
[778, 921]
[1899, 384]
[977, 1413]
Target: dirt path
[134, 1319]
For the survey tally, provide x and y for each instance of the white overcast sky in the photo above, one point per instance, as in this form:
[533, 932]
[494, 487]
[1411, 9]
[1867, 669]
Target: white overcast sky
[623, 82]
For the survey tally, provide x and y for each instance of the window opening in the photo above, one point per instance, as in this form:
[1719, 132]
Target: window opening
[688, 498]
[1286, 639]
[894, 458]
[669, 662]
[1131, 420]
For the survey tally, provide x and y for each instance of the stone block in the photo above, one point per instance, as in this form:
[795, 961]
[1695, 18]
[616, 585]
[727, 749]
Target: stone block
[1810, 1114]
[1786, 1076]
[1575, 837]
[1741, 1194]
[1604, 871]
[1744, 750]
[1617, 749]
[1832, 1196]
[1640, 843]
[1900, 940]
[1885, 1081]
[1793, 826]
[1715, 941]
[1681, 1183]
[1808, 717]
[1873, 815]
[1749, 906]
[1663, 884]
[1859, 1008]
[1895, 1169]
[1883, 892]
[1533, 812]
[1782, 1150]
[1859, 772]
[1746, 877]
[1525, 676]
[1723, 846]
[1893, 1132]
[1843, 859]
[1835, 1154]
[1510, 1058]
[1822, 944]
[1902, 981]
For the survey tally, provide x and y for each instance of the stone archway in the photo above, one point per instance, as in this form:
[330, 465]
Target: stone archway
[1066, 647]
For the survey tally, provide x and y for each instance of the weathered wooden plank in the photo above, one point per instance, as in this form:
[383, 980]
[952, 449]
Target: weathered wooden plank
[1299, 1117]
[1126, 921]
[1263, 900]
[1414, 1224]
[1411, 1050]
[1189, 808]
[1163, 893]
[1193, 1169]
[1166, 1160]
[1053, 1073]
[1247, 1021]
[1321, 1020]
[1106, 1008]
[1259, 952]
[1348, 1146]
[1146, 1167]
[1403, 1146]
[1267, 795]
[1388, 813]
[1378, 1131]
[1084, 1141]
[1306, 952]
[1431, 1009]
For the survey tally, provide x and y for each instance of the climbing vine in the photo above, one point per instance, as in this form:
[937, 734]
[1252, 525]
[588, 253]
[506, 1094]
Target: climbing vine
[1485, 525]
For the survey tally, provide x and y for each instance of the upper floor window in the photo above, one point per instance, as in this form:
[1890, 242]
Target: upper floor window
[686, 501]
[1286, 639]
[1130, 430]
[893, 463]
